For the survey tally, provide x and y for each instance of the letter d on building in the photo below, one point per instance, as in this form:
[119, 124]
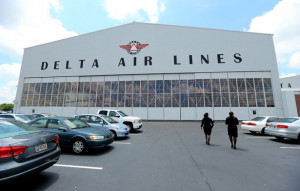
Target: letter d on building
[44, 66]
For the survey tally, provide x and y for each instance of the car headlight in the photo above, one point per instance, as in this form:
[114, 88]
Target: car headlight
[134, 121]
[96, 137]
[118, 128]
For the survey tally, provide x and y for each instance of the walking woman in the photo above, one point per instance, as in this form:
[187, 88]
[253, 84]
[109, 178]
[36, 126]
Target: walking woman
[232, 122]
[207, 124]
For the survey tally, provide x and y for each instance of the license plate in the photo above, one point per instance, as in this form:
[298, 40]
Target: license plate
[41, 147]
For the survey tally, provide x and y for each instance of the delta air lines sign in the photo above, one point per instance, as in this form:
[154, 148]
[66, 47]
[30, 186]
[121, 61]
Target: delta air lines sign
[133, 48]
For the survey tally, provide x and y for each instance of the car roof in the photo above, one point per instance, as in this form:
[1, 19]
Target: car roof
[56, 118]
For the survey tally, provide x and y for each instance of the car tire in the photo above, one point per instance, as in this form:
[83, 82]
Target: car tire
[263, 131]
[115, 134]
[129, 125]
[78, 146]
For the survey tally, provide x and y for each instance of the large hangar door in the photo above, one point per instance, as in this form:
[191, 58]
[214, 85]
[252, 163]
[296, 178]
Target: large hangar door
[187, 102]
[171, 97]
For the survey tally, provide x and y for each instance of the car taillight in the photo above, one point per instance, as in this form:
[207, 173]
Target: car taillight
[7, 152]
[267, 125]
[18, 150]
[243, 123]
[282, 126]
[56, 139]
[253, 124]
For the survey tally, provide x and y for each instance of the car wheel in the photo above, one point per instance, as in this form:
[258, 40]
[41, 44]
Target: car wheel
[129, 125]
[115, 134]
[78, 146]
[263, 131]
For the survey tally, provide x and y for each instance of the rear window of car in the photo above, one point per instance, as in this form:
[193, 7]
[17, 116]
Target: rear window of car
[258, 119]
[103, 112]
[272, 119]
[23, 117]
[15, 128]
[287, 120]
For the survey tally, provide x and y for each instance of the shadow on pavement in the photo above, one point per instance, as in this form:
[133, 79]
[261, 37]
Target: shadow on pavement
[39, 181]
[286, 141]
[89, 152]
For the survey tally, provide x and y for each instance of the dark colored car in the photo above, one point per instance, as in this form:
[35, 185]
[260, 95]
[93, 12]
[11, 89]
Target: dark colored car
[25, 150]
[74, 132]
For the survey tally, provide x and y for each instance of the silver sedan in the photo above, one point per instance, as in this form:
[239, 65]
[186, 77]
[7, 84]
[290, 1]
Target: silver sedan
[285, 128]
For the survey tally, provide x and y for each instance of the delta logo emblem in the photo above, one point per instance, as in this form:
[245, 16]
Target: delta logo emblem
[133, 47]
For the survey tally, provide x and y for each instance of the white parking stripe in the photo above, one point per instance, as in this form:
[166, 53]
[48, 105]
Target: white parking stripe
[73, 166]
[256, 137]
[122, 143]
[290, 147]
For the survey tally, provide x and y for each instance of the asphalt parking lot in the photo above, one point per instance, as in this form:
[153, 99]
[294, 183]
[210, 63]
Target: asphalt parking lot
[173, 156]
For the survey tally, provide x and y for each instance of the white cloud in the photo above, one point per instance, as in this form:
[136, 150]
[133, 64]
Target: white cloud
[24, 24]
[8, 81]
[134, 9]
[283, 22]
[295, 60]
[28, 23]
[283, 75]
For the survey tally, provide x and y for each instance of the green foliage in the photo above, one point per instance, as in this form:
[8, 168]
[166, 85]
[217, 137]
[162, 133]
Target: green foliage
[6, 106]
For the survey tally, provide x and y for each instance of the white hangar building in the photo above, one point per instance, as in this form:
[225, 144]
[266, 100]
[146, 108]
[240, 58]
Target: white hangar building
[156, 72]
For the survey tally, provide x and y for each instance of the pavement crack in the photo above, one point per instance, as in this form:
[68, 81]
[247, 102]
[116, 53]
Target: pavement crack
[194, 161]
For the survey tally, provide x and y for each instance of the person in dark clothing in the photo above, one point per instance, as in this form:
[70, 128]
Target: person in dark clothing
[207, 124]
[232, 122]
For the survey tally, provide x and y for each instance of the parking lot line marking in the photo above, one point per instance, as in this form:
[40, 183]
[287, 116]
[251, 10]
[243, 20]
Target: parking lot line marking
[122, 143]
[73, 166]
[256, 137]
[290, 147]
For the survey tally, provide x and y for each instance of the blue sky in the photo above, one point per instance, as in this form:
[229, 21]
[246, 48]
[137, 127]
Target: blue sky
[32, 22]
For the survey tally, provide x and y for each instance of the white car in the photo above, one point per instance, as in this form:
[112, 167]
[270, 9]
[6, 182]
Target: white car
[17, 117]
[258, 124]
[103, 121]
[285, 128]
[131, 121]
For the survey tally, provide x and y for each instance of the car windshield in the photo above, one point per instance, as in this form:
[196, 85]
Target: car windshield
[286, 120]
[75, 123]
[15, 128]
[31, 117]
[22, 117]
[109, 119]
[258, 119]
[122, 113]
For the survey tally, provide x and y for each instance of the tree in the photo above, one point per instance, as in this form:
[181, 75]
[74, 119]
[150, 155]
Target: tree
[6, 106]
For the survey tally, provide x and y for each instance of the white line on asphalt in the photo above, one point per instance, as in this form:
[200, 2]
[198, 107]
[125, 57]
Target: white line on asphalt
[122, 143]
[248, 137]
[134, 134]
[73, 166]
[290, 147]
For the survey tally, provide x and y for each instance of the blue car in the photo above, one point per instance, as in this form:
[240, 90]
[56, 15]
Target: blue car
[102, 121]
[25, 150]
[74, 132]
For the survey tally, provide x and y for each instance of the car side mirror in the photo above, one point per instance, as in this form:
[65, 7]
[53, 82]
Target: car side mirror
[64, 129]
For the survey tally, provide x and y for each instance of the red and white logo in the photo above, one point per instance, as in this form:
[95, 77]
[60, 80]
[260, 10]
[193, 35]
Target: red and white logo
[133, 47]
